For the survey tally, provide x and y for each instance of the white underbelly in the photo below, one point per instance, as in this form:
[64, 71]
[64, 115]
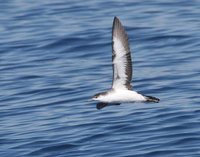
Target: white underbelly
[123, 96]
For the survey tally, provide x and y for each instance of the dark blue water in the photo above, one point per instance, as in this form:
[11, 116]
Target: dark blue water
[55, 55]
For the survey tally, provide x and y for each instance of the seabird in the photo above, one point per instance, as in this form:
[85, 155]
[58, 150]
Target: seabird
[121, 91]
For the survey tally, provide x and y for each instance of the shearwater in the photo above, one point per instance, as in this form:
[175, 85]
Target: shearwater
[121, 91]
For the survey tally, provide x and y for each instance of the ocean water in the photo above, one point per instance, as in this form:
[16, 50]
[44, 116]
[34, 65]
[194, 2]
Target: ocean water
[55, 55]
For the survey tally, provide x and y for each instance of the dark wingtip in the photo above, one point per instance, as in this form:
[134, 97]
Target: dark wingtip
[116, 19]
[101, 105]
[117, 25]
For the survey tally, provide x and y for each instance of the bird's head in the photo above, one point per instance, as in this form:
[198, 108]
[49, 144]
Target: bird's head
[98, 96]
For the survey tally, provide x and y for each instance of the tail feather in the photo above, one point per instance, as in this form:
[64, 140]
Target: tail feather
[152, 99]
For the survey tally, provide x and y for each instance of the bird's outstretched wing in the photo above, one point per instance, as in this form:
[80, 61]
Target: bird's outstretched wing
[121, 57]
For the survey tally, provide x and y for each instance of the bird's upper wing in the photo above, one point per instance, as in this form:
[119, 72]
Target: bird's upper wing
[121, 57]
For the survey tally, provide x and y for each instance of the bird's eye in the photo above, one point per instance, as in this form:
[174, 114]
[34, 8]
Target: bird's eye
[95, 96]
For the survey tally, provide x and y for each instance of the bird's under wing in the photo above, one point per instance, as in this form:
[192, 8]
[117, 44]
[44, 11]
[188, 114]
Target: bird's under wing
[121, 57]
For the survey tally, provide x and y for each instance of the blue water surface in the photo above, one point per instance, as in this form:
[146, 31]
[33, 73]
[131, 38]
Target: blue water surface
[55, 55]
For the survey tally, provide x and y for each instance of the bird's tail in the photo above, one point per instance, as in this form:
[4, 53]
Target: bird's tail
[152, 99]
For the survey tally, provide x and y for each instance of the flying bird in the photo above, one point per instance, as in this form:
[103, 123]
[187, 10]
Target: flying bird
[121, 91]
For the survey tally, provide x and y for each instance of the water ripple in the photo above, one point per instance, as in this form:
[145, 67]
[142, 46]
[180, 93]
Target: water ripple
[56, 55]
